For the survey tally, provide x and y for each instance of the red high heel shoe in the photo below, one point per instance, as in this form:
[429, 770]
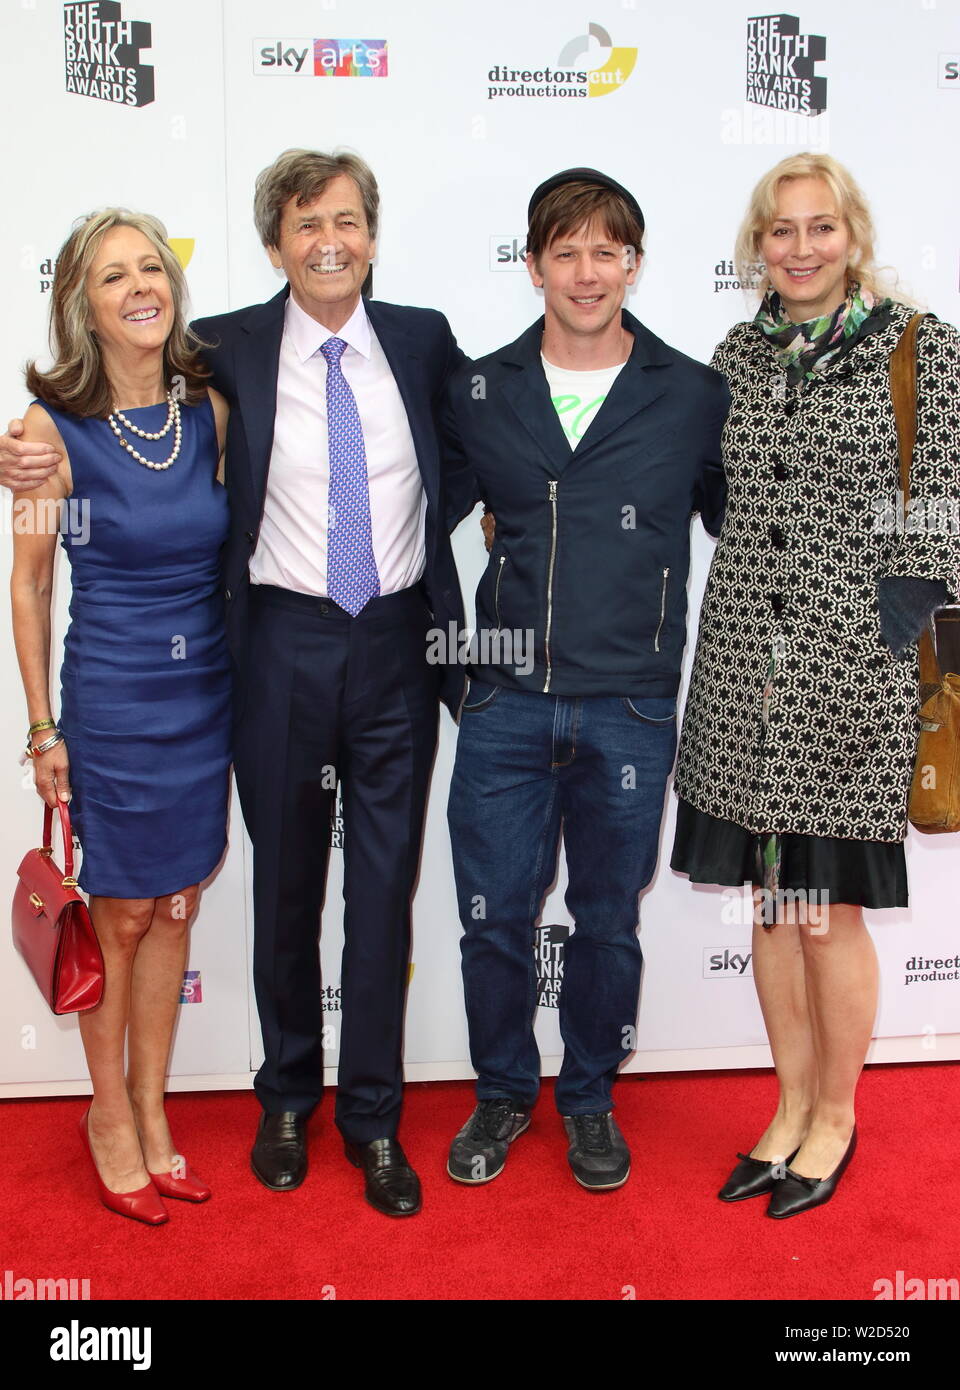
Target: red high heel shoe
[188, 1188]
[145, 1204]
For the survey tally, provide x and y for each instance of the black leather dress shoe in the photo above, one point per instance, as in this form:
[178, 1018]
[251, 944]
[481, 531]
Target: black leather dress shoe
[279, 1156]
[797, 1193]
[391, 1184]
[752, 1177]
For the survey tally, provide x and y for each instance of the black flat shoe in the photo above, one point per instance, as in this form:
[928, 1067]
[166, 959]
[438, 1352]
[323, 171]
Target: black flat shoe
[796, 1193]
[752, 1177]
[391, 1184]
[279, 1156]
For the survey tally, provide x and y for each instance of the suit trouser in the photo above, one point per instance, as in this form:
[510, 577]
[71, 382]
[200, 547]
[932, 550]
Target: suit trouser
[329, 697]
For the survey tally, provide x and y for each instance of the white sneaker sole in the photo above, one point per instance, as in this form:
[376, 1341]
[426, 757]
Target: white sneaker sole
[601, 1186]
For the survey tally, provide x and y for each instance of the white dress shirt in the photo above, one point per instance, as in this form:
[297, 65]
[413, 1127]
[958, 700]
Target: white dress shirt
[291, 550]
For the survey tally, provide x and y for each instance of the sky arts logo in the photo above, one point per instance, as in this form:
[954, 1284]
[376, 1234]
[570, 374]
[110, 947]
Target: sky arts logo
[102, 52]
[508, 252]
[320, 57]
[728, 964]
[191, 991]
[588, 66]
[780, 65]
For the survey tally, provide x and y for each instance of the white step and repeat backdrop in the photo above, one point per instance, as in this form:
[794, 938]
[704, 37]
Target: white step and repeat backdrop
[173, 106]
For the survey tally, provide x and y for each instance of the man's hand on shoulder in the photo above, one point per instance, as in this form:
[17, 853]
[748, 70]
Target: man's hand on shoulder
[24, 466]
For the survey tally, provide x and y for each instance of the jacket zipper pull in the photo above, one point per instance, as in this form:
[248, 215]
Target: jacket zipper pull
[552, 497]
[496, 599]
[663, 609]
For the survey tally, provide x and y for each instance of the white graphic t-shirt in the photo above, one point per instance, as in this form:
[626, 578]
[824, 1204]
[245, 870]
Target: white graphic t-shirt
[577, 396]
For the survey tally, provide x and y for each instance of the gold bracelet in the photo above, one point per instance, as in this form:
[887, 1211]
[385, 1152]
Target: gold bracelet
[42, 724]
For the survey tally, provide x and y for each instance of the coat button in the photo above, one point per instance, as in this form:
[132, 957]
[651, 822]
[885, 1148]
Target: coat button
[781, 472]
[777, 537]
[249, 536]
[790, 405]
[777, 604]
[228, 595]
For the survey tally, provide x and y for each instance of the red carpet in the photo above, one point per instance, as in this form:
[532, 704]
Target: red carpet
[531, 1234]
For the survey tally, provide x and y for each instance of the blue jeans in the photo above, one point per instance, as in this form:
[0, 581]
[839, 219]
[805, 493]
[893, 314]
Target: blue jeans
[525, 764]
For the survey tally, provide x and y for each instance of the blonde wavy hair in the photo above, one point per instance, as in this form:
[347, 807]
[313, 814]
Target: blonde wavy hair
[77, 382]
[851, 206]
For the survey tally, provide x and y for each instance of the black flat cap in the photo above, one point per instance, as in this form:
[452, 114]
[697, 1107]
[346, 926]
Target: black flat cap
[593, 176]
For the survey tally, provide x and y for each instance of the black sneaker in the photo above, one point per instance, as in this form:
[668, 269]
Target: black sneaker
[598, 1152]
[479, 1152]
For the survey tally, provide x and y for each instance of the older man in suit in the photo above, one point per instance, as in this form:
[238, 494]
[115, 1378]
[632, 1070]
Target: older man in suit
[338, 562]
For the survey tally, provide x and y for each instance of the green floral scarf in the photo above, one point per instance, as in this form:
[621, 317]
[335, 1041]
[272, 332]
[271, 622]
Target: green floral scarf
[804, 349]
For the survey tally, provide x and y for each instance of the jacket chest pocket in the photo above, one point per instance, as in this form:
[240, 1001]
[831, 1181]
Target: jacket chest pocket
[635, 466]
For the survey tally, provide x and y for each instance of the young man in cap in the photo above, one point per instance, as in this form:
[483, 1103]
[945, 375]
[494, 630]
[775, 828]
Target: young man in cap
[592, 443]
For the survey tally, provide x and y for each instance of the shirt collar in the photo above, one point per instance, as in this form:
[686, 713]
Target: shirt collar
[308, 336]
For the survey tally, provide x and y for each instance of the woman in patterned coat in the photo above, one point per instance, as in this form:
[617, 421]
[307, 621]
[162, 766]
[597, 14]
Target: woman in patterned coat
[800, 729]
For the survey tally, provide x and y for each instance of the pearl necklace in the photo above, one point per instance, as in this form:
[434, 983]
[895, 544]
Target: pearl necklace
[173, 419]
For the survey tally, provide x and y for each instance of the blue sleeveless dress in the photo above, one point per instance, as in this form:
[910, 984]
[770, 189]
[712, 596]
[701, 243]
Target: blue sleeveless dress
[145, 681]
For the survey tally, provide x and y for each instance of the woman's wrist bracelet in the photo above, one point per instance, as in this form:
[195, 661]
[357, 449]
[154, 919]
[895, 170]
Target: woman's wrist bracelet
[42, 724]
[34, 752]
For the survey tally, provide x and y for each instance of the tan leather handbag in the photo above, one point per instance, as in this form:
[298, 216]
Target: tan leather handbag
[934, 805]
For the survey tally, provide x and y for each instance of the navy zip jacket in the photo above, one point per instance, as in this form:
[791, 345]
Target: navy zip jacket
[585, 588]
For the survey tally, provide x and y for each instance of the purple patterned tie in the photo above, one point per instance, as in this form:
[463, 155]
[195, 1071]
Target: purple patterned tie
[352, 576]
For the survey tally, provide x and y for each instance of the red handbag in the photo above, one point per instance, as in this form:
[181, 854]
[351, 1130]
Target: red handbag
[52, 929]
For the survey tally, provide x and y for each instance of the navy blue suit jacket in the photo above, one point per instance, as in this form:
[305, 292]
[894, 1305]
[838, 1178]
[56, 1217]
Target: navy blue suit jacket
[244, 356]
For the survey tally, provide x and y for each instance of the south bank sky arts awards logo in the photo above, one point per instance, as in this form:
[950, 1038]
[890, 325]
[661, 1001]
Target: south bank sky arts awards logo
[102, 54]
[590, 65]
[320, 57]
[548, 952]
[780, 65]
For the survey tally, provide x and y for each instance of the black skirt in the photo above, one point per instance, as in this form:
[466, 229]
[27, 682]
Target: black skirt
[865, 873]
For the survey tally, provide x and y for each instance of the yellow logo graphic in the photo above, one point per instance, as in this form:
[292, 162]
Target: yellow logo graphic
[619, 62]
[182, 248]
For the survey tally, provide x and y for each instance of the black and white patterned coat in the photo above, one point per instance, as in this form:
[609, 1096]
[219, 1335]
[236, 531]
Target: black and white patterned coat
[812, 524]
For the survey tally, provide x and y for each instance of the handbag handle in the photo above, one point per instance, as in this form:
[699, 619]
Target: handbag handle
[67, 829]
[903, 391]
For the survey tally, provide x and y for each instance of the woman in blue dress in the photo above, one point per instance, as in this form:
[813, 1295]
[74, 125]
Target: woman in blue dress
[142, 749]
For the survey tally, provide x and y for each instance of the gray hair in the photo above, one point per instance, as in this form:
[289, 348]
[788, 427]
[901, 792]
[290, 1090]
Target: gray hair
[304, 174]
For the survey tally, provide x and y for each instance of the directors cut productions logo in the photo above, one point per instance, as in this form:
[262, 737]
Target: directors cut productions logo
[320, 57]
[102, 52]
[780, 65]
[605, 70]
